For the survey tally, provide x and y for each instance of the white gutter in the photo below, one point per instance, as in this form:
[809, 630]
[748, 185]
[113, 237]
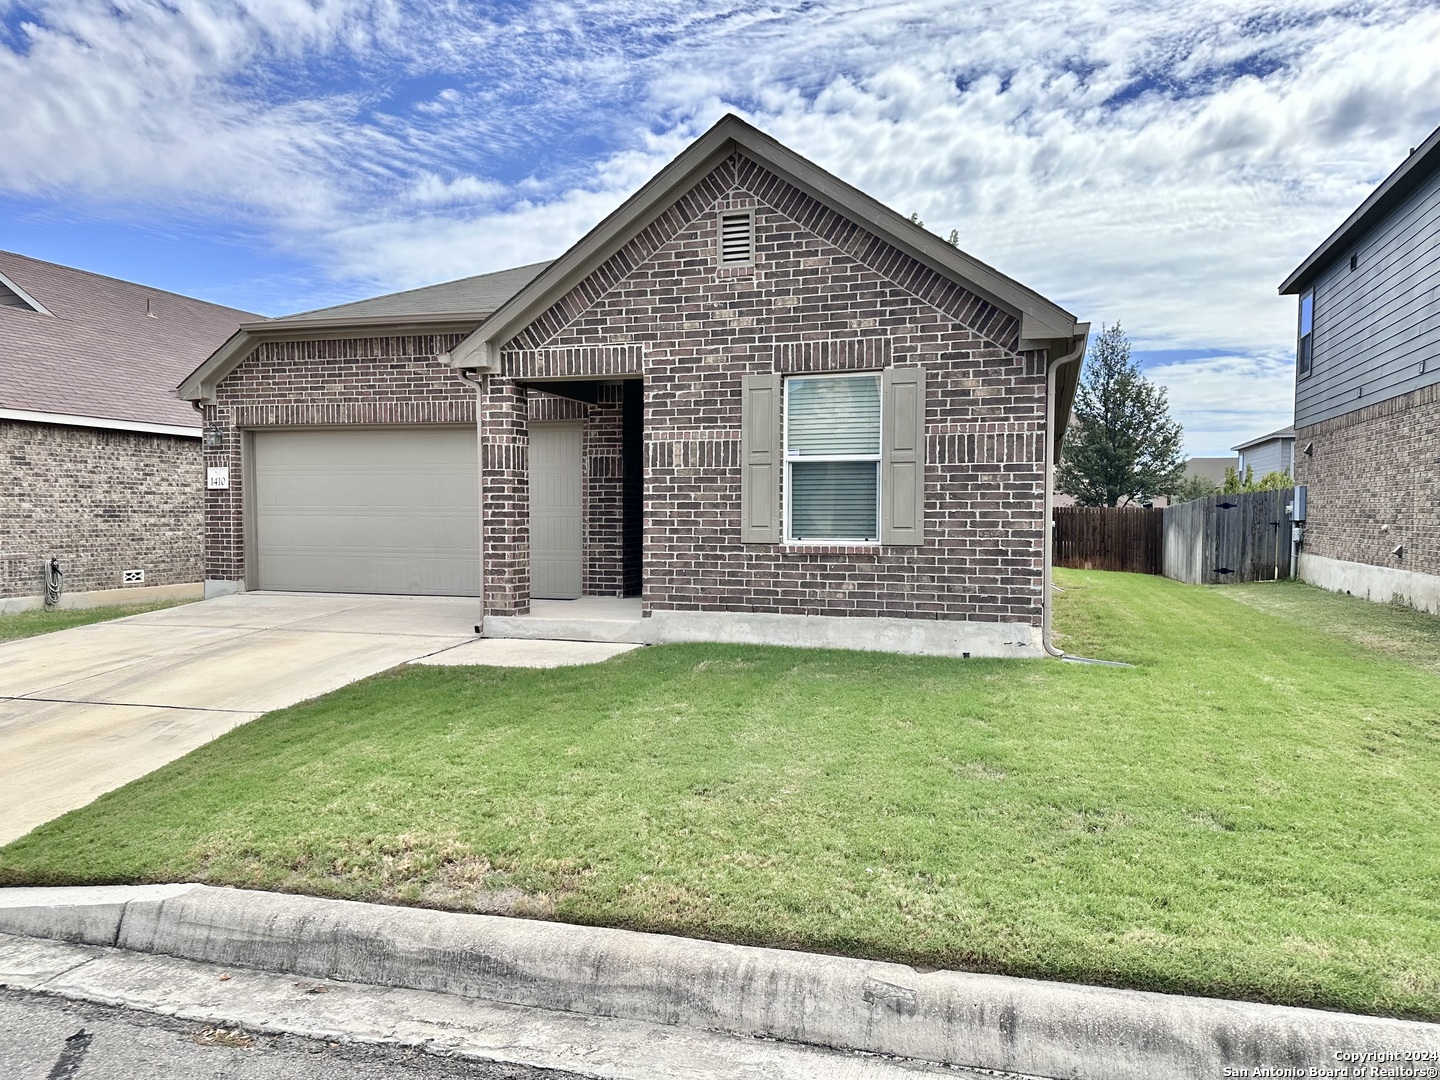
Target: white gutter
[70, 420]
[1048, 530]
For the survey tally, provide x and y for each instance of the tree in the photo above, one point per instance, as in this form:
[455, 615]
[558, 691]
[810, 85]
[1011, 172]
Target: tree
[1235, 484]
[1123, 446]
[1194, 486]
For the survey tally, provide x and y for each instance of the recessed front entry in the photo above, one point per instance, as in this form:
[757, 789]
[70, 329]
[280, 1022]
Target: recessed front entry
[367, 510]
[555, 535]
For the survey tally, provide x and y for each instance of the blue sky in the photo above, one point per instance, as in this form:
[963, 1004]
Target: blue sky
[1159, 164]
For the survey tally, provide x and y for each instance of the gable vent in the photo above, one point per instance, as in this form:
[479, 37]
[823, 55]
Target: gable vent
[737, 238]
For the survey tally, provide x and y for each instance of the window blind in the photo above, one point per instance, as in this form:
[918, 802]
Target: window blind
[833, 417]
[833, 500]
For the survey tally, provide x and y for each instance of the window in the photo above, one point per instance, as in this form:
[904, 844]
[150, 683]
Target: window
[832, 458]
[1307, 326]
[737, 238]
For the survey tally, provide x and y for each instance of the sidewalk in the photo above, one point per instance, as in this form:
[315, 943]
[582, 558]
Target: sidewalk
[616, 1003]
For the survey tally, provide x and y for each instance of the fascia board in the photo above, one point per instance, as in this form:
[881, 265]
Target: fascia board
[104, 422]
[1391, 191]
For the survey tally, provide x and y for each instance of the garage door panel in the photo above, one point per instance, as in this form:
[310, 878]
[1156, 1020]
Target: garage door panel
[374, 510]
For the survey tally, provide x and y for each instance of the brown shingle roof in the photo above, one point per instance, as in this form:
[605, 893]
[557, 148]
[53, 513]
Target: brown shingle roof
[98, 354]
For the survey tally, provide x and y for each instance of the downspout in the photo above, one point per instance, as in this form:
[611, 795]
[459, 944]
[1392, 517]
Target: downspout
[482, 387]
[1049, 527]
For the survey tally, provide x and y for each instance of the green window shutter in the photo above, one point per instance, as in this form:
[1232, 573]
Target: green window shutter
[902, 456]
[760, 459]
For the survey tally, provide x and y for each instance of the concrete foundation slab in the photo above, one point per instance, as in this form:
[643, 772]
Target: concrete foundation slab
[1382, 584]
[519, 652]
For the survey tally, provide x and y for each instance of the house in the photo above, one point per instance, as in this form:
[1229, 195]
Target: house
[1367, 392]
[1209, 468]
[99, 463]
[752, 404]
[1270, 453]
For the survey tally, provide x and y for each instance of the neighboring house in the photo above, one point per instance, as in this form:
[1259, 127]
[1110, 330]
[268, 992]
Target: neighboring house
[99, 461]
[1209, 468]
[1269, 453]
[1367, 392]
[753, 397]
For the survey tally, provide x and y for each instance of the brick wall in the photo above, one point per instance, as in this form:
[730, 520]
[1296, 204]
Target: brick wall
[1374, 483]
[824, 295]
[398, 380]
[102, 502]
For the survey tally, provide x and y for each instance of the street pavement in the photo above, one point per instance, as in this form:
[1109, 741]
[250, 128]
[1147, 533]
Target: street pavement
[49, 1038]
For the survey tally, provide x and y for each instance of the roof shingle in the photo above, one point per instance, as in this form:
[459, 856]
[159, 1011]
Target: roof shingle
[98, 353]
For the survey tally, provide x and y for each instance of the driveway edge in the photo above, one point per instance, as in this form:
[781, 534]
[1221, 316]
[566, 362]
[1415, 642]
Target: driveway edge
[957, 1018]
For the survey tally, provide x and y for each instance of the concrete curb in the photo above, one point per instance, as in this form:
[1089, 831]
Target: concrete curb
[976, 1021]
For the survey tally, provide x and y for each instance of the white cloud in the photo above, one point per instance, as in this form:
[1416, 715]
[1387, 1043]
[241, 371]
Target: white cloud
[1163, 165]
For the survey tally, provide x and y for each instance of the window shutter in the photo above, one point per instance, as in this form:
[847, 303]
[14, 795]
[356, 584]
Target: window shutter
[902, 486]
[760, 459]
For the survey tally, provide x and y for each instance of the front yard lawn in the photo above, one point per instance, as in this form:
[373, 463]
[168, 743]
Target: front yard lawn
[22, 624]
[1251, 811]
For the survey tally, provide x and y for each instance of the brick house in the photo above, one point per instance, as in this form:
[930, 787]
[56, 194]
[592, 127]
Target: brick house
[1367, 392]
[752, 404]
[99, 462]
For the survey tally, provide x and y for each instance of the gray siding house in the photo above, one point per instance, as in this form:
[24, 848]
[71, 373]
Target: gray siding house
[1367, 391]
[1270, 453]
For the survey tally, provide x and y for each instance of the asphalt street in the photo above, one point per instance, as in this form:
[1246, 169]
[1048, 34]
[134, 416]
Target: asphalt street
[46, 1038]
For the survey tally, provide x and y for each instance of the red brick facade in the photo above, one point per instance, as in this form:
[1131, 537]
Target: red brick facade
[1360, 511]
[823, 295]
[102, 502]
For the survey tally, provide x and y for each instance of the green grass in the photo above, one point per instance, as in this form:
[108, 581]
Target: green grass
[1249, 812]
[24, 624]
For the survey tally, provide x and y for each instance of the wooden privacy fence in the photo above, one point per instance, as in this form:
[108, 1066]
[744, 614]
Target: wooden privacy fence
[1108, 538]
[1228, 538]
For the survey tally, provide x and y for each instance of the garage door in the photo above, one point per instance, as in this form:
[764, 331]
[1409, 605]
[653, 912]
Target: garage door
[369, 511]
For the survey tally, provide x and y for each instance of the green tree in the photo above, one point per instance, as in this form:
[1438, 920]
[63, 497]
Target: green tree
[1123, 446]
[1235, 484]
[1194, 486]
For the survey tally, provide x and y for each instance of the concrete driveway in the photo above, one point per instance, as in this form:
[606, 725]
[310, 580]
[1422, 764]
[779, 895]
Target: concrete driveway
[83, 711]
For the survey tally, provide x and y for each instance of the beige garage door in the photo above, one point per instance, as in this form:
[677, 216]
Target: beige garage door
[368, 510]
[555, 534]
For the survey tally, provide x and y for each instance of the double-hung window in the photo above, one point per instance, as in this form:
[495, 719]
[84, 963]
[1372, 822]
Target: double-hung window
[832, 458]
[1303, 357]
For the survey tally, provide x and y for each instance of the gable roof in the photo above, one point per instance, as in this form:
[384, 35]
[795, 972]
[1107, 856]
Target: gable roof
[451, 306]
[1283, 433]
[478, 295]
[1043, 324]
[1413, 171]
[84, 347]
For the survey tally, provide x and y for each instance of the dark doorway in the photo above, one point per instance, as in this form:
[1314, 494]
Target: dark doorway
[632, 463]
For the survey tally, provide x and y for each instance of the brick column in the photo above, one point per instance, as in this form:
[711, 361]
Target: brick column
[505, 514]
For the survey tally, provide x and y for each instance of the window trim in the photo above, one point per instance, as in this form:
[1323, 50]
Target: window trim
[1305, 342]
[749, 213]
[787, 535]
